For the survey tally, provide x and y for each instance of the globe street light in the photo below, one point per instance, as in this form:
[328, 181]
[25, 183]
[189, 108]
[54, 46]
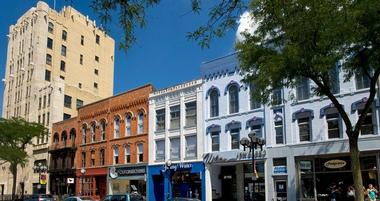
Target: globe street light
[82, 171]
[252, 142]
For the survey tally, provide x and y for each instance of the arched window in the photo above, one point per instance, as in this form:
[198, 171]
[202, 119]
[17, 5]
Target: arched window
[233, 93]
[103, 130]
[50, 27]
[116, 127]
[214, 103]
[56, 138]
[140, 123]
[115, 155]
[64, 137]
[128, 119]
[84, 128]
[93, 130]
[102, 157]
[73, 135]
[92, 158]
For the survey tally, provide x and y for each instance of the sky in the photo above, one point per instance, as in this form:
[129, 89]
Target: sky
[162, 55]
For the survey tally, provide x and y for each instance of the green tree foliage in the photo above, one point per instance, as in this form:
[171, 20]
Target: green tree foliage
[305, 39]
[15, 135]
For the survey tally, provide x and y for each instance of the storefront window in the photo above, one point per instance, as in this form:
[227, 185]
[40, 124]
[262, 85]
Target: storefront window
[186, 185]
[258, 185]
[307, 178]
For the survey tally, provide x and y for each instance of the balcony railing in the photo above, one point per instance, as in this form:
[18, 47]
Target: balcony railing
[62, 145]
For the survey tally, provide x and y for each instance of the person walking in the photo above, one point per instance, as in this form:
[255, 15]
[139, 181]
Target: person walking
[350, 193]
[371, 192]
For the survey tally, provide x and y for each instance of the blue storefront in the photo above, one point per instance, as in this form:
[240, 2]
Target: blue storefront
[179, 180]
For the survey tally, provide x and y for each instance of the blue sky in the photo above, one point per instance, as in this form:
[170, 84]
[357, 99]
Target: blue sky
[162, 54]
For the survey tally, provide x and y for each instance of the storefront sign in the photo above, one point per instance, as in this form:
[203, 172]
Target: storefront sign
[70, 180]
[181, 166]
[335, 164]
[281, 169]
[229, 156]
[115, 172]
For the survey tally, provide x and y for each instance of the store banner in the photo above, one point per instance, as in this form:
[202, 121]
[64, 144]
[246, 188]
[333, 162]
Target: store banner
[43, 179]
[232, 156]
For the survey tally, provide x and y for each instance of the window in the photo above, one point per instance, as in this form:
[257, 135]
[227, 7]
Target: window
[255, 104]
[48, 101]
[48, 59]
[67, 101]
[191, 146]
[334, 80]
[93, 130]
[84, 130]
[174, 117]
[140, 153]
[362, 81]
[235, 138]
[95, 85]
[63, 50]
[214, 103]
[39, 103]
[303, 89]
[63, 66]
[82, 40]
[97, 39]
[174, 149]
[83, 159]
[64, 35]
[128, 120]
[115, 155]
[304, 129]
[215, 141]
[62, 77]
[80, 85]
[116, 129]
[66, 116]
[140, 123]
[103, 130]
[160, 119]
[44, 102]
[81, 59]
[333, 125]
[48, 118]
[50, 43]
[96, 71]
[258, 130]
[96, 58]
[50, 27]
[79, 103]
[47, 75]
[92, 158]
[367, 126]
[102, 157]
[160, 150]
[279, 131]
[233, 93]
[191, 114]
[127, 154]
[277, 97]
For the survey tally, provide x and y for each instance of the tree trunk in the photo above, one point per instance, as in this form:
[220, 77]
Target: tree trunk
[13, 168]
[356, 170]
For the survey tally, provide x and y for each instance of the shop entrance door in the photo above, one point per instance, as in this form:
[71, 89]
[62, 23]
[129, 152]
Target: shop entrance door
[228, 177]
[281, 192]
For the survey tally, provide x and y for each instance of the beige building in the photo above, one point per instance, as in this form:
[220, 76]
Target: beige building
[56, 62]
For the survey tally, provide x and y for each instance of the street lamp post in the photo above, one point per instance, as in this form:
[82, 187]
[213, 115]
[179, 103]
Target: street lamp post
[82, 171]
[167, 172]
[39, 168]
[252, 142]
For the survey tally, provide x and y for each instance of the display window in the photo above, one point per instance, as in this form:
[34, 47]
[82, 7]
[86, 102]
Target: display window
[186, 185]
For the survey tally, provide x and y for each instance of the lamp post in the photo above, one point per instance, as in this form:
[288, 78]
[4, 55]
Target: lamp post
[82, 171]
[39, 168]
[252, 142]
[167, 172]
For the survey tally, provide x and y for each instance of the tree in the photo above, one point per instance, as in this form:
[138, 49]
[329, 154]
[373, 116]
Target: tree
[15, 135]
[305, 39]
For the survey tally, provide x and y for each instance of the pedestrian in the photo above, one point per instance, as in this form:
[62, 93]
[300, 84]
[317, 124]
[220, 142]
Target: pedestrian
[371, 192]
[350, 193]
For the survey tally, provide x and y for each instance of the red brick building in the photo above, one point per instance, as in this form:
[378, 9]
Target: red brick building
[112, 132]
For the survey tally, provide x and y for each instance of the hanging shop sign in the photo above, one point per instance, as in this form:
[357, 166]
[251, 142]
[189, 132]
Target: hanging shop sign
[335, 164]
[123, 171]
[43, 180]
[70, 180]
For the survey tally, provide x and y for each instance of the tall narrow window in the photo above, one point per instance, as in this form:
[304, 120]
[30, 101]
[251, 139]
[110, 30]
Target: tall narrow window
[334, 80]
[64, 35]
[277, 97]
[233, 93]
[303, 89]
[50, 43]
[50, 27]
[255, 104]
[140, 153]
[191, 146]
[174, 149]
[116, 129]
[175, 117]
[48, 59]
[115, 155]
[332, 120]
[304, 129]
[215, 141]
[258, 129]
[97, 39]
[140, 123]
[81, 59]
[127, 154]
[93, 129]
[279, 130]
[367, 126]
[102, 157]
[67, 101]
[235, 138]
[191, 114]
[84, 128]
[362, 81]
[160, 119]
[63, 50]
[82, 40]
[214, 103]
[128, 120]
[160, 150]
[83, 159]
[103, 130]
[63, 66]
[92, 158]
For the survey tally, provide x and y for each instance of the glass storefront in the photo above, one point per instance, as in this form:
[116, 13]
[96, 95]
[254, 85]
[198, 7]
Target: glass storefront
[186, 185]
[121, 186]
[258, 185]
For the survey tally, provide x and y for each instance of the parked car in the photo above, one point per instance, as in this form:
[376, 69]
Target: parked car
[40, 197]
[78, 198]
[124, 197]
